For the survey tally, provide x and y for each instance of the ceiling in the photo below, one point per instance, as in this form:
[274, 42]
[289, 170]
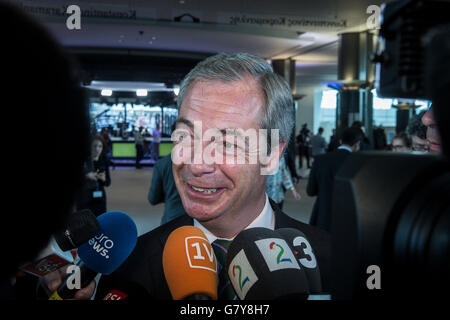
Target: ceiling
[132, 31]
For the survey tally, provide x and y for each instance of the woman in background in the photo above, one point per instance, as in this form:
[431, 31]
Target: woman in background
[96, 172]
[278, 183]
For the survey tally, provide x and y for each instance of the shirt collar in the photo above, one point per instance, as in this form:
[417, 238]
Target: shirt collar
[345, 148]
[266, 219]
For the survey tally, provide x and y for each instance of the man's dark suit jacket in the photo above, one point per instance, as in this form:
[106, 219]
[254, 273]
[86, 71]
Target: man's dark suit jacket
[144, 266]
[320, 184]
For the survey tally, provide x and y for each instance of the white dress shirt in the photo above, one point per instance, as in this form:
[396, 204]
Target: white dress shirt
[266, 219]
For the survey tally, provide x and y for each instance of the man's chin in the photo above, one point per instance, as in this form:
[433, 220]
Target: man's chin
[204, 214]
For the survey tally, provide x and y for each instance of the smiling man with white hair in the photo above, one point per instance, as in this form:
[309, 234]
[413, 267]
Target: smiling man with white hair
[230, 95]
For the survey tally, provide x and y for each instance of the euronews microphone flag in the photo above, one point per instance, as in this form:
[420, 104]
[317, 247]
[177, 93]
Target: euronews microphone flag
[105, 252]
[262, 265]
[112, 245]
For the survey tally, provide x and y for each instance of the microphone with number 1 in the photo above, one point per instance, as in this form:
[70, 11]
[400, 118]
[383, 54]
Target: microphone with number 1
[190, 266]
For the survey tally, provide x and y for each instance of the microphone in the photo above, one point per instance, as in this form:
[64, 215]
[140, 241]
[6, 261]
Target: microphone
[82, 226]
[190, 265]
[103, 253]
[79, 228]
[262, 266]
[305, 255]
[116, 289]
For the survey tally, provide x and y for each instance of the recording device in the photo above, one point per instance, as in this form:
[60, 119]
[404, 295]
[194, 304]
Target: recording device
[391, 212]
[190, 265]
[103, 253]
[262, 266]
[79, 228]
[401, 69]
[304, 253]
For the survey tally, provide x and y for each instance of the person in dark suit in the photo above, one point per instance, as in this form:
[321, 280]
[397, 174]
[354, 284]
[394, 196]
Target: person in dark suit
[223, 97]
[321, 177]
[145, 266]
[163, 189]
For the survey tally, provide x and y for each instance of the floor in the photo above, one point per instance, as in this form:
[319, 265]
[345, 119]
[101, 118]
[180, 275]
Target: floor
[129, 189]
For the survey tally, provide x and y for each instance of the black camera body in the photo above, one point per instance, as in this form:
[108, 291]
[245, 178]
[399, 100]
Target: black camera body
[391, 212]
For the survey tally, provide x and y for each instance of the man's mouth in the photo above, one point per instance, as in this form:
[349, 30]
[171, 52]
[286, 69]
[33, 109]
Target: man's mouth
[204, 190]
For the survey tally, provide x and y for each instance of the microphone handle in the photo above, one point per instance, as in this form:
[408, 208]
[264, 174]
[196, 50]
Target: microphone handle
[198, 296]
[86, 276]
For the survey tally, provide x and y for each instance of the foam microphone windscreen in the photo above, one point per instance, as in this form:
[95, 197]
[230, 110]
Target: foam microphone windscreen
[189, 263]
[80, 227]
[262, 266]
[304, 253]
[117, 238]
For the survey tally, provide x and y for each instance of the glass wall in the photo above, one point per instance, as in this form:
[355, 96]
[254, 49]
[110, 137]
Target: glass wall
[384, 114]
[122, 118]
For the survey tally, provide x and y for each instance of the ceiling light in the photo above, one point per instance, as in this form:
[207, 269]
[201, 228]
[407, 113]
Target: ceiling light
[141, 92]
[106, 92]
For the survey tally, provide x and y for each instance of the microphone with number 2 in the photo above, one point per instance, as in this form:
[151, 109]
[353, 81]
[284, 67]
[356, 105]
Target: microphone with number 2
[262, 266]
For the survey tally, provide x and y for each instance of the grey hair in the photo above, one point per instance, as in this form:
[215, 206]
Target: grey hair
[278, 111]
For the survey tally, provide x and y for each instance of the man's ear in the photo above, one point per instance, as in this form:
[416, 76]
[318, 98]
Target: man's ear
[274, 158]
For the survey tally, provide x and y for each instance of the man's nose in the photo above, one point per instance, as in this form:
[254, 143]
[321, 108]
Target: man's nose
[199, 169]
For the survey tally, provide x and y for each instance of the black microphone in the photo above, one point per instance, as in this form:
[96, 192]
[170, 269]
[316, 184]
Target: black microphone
[79, 228]
[305, 255]
[261, 265]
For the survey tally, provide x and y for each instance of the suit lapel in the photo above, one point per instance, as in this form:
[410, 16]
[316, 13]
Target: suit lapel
[183, 220]
[281, 219]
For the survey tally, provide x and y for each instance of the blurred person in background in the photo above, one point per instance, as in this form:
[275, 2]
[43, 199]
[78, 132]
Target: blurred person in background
[334, 142]
[433, 136]
[278, 183]
[318, 143]
[139, 144]
[418, 133]
[96, 168]
[45, 185]
[365, 143]
[156, 141]
[108, 143]
[401, 143]
[164, 190]
[302, 141]
[321, 178]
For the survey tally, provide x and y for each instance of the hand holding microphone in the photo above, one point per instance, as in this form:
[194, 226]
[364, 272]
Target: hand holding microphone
[103, 254]
[79, 228]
